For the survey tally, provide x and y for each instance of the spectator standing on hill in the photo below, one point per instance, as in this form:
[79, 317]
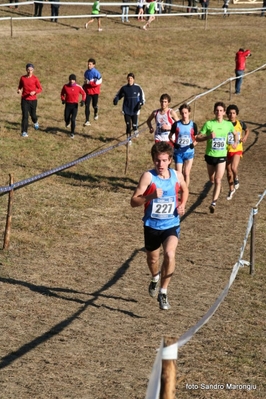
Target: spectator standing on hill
[54, 11]
[184, 132]
[92, 87]
[29, 86]
[240, 60]
[140, 10]
[263, 8]
[13, 1]
[151, 11]
[158, 191]
[95, 12]
[216, 132]
[235, 153]
[38, 9]
[164, 118]
[125, 10]
[70, 97]
[134, 98]
[204, 5]
[192, 6]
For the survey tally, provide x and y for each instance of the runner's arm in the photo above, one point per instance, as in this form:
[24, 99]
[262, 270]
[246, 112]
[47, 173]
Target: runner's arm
[174, 115]
[138, 198]
[246, 130]
[184, 193]
[150, 118]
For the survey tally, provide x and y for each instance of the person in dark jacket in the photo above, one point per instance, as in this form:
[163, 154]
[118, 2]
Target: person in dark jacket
[134, 98]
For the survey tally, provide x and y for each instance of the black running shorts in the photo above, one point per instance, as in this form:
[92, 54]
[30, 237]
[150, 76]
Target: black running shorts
[154, 238]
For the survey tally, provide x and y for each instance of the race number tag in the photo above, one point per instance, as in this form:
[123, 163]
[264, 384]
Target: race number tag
[161, 131]
[183, 141]
[231, 138]
[218, 143]
[163, 208]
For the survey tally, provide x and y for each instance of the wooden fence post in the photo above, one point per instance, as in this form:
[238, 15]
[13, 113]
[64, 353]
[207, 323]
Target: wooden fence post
[252, 243]
[127, 157]
[9, 214]
[11, 27]
[168, 376]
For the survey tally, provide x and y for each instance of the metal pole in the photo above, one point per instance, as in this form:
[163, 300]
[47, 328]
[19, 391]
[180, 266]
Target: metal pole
[252, 242]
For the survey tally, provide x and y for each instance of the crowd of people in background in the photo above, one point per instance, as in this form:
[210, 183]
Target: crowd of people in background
[145, 11]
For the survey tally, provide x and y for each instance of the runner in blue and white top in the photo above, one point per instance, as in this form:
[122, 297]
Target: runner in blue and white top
[182, 135]
[158, 192]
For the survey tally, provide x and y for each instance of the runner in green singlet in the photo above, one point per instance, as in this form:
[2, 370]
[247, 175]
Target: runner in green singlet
[215, 132]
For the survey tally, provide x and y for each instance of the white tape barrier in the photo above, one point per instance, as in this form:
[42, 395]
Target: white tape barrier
[261, 198]
[155, 378]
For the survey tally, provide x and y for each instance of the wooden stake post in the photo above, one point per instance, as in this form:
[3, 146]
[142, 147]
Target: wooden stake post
[168, 376]
[9, 215]
[127, 157]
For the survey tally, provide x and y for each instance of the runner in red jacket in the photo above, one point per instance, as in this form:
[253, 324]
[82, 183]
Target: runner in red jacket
[29, 86]
[70, 97]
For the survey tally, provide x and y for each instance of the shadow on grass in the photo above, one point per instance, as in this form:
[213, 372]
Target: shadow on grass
[55, 130]
[58, 328]
[186, 84]
[100, 181]
[206, 189]
[256, 132]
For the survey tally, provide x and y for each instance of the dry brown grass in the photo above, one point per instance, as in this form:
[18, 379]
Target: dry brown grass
[76, 318]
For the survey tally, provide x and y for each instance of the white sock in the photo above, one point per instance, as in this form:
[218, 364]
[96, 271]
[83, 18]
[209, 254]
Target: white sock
[163, 291]
[156, 278]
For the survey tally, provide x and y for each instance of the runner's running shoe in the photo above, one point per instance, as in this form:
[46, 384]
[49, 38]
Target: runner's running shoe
[212, 207]
[230, 194]
[236, 183]
[153, 287]
[163, 301]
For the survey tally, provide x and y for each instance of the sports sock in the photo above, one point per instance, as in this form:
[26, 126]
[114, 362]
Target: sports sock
[156, 278]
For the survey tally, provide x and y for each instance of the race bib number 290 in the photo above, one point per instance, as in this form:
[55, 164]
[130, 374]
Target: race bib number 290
[163, 208]
[218, 143]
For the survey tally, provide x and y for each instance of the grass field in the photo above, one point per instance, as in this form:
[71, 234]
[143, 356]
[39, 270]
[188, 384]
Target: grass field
[77, 321]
